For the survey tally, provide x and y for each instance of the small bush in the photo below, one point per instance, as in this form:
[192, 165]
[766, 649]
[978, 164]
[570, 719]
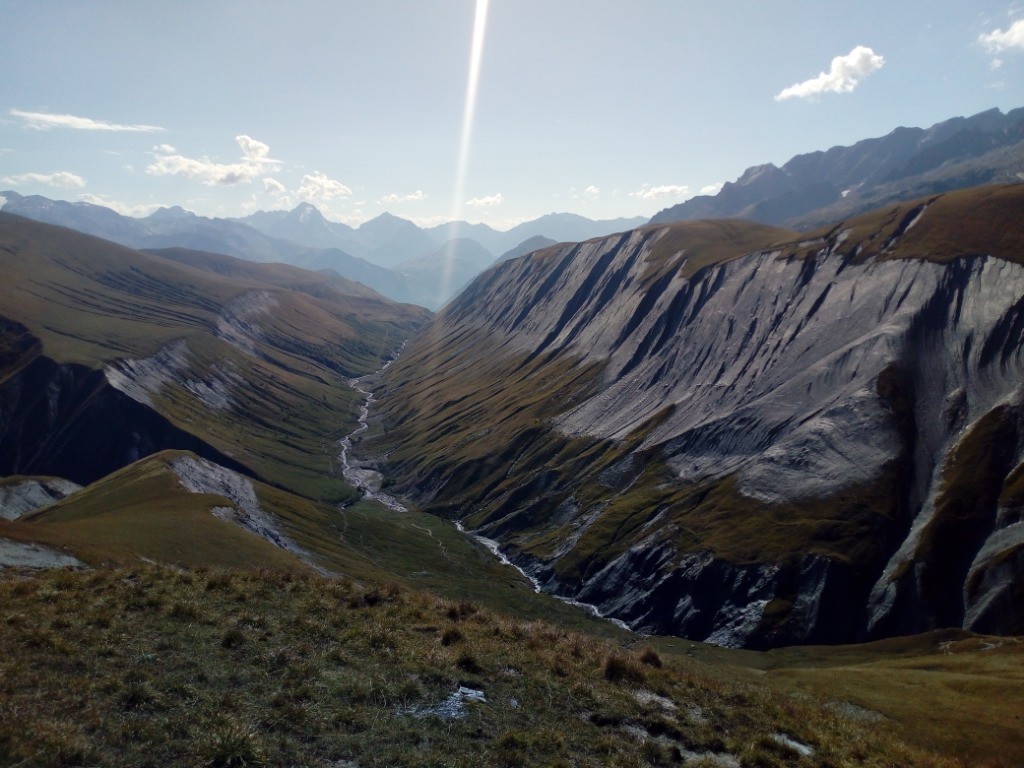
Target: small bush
[619, 669]
[468, 663]
[650, 657]
[461, 610]
[233, 746]
[451, 636]
[233, 638]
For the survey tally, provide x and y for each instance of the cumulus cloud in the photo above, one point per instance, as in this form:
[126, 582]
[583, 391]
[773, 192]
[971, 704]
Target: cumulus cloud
[255, 161]
[592, 191]
[274, 186]
[415, 197]
[844, 75]
[318, 186]
[712, 189]
[56, 179]
[998, 41]
[647, 192]
[43, 121]
[485, 202]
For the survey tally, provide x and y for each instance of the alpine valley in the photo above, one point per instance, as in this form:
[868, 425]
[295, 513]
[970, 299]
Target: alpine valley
[252, 488]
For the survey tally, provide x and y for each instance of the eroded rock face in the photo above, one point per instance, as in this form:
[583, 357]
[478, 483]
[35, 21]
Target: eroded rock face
[825, 400]
[68, 421]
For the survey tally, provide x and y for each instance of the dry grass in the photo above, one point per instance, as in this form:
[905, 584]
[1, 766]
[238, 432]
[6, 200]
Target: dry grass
[159, 666]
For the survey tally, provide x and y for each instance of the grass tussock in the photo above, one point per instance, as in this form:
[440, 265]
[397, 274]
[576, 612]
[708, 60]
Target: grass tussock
[158, 666]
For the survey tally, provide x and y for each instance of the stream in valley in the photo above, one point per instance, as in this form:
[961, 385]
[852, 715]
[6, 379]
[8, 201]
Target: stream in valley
[369, 482]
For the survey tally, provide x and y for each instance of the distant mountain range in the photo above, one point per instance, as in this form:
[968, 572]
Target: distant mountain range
[821, 187]
[391, 255]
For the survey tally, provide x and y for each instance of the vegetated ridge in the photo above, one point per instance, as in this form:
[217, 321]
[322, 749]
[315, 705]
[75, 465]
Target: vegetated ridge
[738, 434]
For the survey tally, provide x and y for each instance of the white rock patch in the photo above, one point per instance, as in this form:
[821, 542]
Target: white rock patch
[235, 324]
[143, 378]
[15, 554]
[198, 475]
[17, 499]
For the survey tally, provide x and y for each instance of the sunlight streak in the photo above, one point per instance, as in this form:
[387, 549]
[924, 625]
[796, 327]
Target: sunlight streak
[475, 59]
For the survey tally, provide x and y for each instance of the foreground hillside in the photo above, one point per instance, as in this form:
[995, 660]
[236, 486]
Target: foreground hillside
[160, 666]
[738, 434]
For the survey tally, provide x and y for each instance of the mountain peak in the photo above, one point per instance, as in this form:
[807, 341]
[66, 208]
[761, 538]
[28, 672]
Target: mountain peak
[174, 212]
[306, 212]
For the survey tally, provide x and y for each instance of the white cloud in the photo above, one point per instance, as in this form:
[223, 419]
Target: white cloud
[592, 191]
[998, 41]
[274, 186]
[844, 75]
[318, 187]
[57, 179]
[648, 192]
[125, 209]
[255, 161]
[43, 121]
[485, 202]
[712, 189]
[415, 197]
[164, 149]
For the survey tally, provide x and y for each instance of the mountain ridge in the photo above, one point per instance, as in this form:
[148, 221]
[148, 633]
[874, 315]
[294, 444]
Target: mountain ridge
[815, 188]
[303, 237]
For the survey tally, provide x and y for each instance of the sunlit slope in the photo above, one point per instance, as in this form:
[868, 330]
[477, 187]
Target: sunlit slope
[247, 366]
[799, 438]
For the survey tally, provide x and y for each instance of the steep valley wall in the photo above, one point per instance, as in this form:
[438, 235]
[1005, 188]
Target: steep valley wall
[809, 443]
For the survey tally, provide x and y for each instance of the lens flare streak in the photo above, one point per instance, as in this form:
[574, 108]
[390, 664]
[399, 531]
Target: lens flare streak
[468, 114]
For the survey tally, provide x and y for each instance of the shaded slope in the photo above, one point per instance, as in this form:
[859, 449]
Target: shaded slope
[740, 448]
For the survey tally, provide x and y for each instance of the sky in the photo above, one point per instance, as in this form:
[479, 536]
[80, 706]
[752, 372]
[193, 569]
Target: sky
[495, 112]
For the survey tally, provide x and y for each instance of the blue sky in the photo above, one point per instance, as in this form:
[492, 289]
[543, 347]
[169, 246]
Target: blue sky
[599, 108]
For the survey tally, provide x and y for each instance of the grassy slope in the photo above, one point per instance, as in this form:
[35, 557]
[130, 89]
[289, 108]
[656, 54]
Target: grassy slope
[142, 513]
[89, 301]
[982, 221]
[154, 666]
[947, 690]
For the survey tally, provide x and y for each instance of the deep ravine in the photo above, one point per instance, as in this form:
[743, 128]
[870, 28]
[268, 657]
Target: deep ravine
[369, 481]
